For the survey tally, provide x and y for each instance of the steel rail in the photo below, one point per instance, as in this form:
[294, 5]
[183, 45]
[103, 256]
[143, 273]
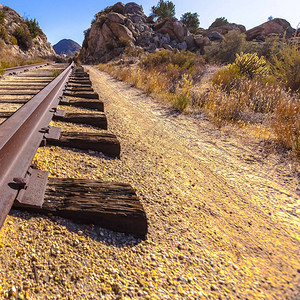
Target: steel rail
[22, 134]
[20, 69]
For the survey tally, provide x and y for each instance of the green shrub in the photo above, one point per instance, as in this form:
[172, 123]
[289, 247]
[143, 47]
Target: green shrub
[249, 64]
[3, 33]
[23, 37]
[86, 38]
[191, 21]
[226, 78]
[286, 124]
[225, 52]
[286, 66]
[33, 27]
[2, 16]
[163, 9]
[13, 40]
[184, 59]
[218, 22]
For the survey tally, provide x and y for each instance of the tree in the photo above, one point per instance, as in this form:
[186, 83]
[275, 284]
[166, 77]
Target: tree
[23, 37]
[33, 27]
[191, 21]
[163, 9]
[218, 22]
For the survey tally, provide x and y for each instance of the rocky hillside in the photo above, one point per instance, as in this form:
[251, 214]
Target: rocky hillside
[22, 37]
[123, 25]
[66, 47]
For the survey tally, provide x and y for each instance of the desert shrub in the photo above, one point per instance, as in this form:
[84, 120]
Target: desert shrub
[2, 16]
[23, 37]
[86, 38]
[134, 51]
[267, 49]
[286, 123]
[225, 52]
[184, 60]
[13, 40]
[249, 64]
[245, 65]
[33, 27]
[182, 97]
[218, 22]
[286, 66]
[3, 33]
[226, 78]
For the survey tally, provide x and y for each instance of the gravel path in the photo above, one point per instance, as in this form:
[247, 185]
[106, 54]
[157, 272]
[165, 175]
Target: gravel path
[223, 217]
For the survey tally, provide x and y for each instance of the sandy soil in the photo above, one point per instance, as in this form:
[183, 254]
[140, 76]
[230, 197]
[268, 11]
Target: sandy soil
[223, 214]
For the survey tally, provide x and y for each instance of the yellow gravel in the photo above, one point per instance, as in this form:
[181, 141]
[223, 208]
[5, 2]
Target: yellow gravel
[223, 219]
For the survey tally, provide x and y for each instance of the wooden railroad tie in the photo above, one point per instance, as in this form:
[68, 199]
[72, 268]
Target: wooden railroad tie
[84, 103]
[103, 142]
[113, 206]
[95, 119]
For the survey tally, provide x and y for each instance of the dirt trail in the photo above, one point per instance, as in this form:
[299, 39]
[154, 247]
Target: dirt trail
[215, 190]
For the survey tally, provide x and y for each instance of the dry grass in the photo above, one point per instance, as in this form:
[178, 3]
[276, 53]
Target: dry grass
[168, 80]
[239, 94]
[7, 60]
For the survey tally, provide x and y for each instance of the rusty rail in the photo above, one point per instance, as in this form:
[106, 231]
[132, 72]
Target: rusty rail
[20, 137]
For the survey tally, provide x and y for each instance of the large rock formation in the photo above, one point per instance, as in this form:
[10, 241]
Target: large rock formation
[16, 37]
[67, 47]
[126, 25]
[279, 27]
[122, 25]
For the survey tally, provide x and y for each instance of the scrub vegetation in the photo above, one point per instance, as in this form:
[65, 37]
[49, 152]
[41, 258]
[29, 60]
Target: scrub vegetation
[257, 83]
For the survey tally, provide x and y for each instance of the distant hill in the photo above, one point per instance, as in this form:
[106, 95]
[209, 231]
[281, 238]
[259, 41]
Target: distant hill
[67, 47]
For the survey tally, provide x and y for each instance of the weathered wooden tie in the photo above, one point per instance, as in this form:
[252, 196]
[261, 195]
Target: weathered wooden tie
[85, 95]
[103, 142]
[85, 103]
[111, 205]
[79, 88]
[96, 119]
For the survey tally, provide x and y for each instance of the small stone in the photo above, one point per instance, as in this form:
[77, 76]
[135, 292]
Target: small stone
[34, 258]
[213, 287]
[13, 292]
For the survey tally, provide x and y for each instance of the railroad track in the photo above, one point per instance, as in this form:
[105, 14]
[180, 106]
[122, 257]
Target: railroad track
[21, 69]
[28, 102]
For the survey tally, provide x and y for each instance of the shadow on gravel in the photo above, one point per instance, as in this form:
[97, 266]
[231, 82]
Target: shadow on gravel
[94, 232]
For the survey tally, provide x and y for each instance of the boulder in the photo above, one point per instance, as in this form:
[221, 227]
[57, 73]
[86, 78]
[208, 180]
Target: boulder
[215, 36]
[138, 19]
[201, 41]
[182, 46]
[115, 17]
[279, 27]
[121, 32]
[175, 29]
[228, 27]
[190, 42]
[134, 9]
[118, 8]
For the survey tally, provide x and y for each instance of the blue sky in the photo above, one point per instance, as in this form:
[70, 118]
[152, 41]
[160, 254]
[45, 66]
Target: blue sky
[69, 18]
